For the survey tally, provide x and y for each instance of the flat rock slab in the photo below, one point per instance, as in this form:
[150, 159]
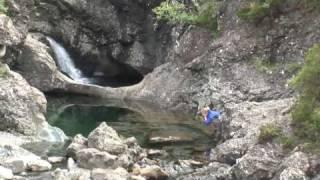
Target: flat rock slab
[169, 137]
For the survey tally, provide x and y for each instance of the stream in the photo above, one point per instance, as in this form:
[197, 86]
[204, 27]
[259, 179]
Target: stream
[146, 122]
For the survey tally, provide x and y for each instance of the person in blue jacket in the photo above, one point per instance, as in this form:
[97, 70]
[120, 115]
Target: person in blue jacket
[209, 116]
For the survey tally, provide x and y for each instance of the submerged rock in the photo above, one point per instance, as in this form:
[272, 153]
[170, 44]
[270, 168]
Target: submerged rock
[169, 139]
[106, 139]
[52, 134]
[156, 152]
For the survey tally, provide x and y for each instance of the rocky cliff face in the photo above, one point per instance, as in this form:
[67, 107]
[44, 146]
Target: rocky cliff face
[106, 35]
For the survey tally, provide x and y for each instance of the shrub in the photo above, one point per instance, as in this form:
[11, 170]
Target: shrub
[264, 65]
[288, 142]
[174, 12]
[306, 112]
[203, 14]
[268, 132]
[3, 7]
[258, 9]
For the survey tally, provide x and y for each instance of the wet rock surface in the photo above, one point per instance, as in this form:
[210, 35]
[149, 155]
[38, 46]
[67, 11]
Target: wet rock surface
[38, 66]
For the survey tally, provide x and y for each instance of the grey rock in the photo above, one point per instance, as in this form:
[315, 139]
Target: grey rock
[107, 174]
[229, 151]
[9, 35]
[92, 158]
[169, 139]
[298, 160]
[293, 174]
[71, 164]
[55, 159]
[38, 67]
[16, 165]
[150, 172]
[131, 141]
[5, 173]
[106, 139]
[74, 174]
[79, 142]
[3, 50]
[260, 162]
[214, 170]
[156, 152]
[22, 106]
[51, 134]
[19, 160]
[38, 165]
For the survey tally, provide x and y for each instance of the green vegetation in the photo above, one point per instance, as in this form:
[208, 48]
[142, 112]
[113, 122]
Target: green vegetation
[268, 132]
[313, 3]
[288, 142]
[3, 7]
[306, 112]
[263, 65]
[258, 9]
[203, 14]
[293, 67]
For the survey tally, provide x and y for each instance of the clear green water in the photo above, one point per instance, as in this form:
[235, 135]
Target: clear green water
[76, 115]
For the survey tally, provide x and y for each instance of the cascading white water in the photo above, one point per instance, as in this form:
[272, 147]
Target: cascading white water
[65, 62]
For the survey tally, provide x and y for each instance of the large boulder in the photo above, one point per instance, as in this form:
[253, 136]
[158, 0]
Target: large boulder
[38, 66]
[22, 106]
[78, 143]
[20, 160]
[295, 166]
[260, 162]
[106, 139]
[292, 174]
[9, 35]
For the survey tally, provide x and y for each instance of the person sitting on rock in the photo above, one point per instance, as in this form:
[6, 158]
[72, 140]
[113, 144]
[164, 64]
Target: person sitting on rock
[209, 115]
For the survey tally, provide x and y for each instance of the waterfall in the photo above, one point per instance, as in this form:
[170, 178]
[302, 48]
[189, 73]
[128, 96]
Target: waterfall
[65, 62]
